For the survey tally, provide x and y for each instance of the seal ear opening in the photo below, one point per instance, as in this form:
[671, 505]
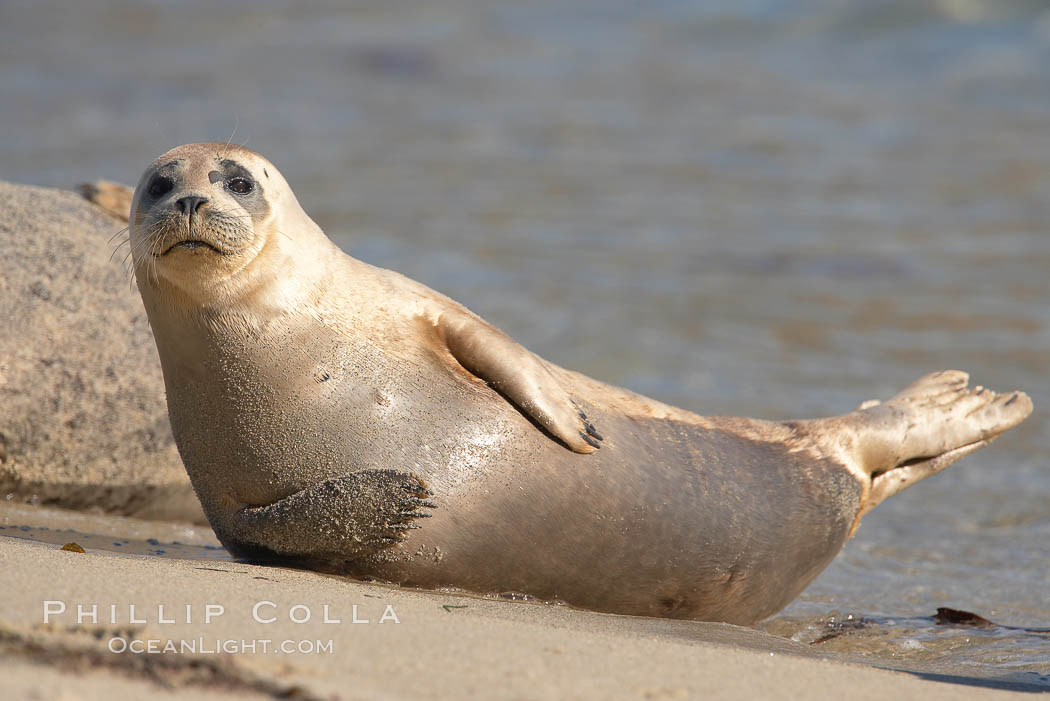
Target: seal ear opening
[114, 198]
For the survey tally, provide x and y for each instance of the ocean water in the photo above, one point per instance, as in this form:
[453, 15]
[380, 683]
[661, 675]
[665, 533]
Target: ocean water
[772, 209]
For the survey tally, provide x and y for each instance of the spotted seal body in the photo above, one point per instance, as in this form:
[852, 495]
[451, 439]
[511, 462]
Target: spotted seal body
[344, 417]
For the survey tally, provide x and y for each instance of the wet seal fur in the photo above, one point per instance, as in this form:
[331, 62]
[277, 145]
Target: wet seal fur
[340, 416]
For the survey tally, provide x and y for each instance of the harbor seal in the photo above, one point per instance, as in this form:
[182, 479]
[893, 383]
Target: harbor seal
[336, 415]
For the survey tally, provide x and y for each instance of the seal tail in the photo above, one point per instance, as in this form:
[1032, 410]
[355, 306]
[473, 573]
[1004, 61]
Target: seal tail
[114, 198]
[927, 427]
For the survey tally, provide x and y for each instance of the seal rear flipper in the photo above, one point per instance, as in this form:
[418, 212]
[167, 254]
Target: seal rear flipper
[886, 484]
[922, 430]
[520, 376]
[342, 518]
[112, 197]
[935, 415]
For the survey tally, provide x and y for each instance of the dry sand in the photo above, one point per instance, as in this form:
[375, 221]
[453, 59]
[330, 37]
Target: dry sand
[443, 645]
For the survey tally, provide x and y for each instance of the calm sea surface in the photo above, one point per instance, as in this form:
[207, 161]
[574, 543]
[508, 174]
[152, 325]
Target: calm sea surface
[766, 208]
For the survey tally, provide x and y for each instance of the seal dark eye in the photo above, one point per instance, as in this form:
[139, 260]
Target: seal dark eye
[159, 186]
[240, 186]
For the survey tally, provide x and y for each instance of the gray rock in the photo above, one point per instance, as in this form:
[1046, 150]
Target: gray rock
[83, 421]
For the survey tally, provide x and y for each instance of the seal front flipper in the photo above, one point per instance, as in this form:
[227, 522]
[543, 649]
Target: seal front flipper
[521, 377]
[342, 518]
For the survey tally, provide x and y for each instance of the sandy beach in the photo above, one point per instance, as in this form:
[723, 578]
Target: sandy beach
[380, 642]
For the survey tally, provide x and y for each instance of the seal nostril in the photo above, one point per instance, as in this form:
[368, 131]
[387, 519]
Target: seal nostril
[190, 204]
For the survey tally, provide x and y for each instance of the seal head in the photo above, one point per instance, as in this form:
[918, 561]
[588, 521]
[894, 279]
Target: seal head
[209, 225]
